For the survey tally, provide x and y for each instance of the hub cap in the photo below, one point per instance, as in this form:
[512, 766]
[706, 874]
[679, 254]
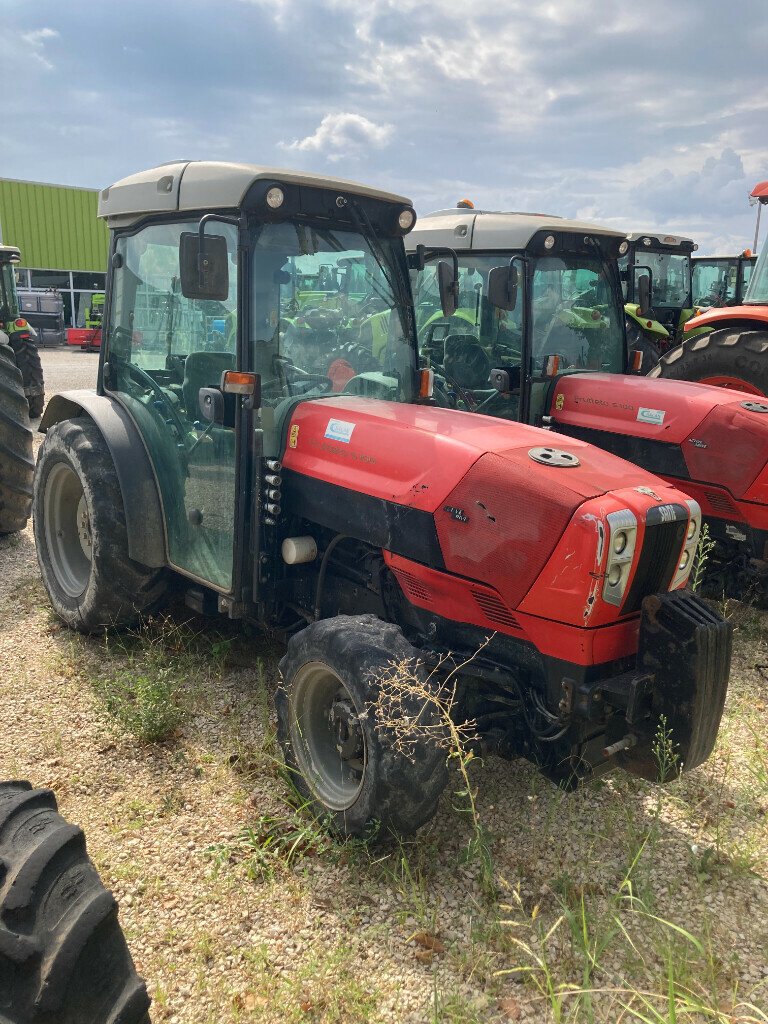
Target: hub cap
[68, 529]
[327, 736]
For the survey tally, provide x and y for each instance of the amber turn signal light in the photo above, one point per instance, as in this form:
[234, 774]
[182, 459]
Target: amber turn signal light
[235, 382]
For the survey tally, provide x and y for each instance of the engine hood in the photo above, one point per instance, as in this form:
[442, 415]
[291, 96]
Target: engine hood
[714, 435]
[416, 455]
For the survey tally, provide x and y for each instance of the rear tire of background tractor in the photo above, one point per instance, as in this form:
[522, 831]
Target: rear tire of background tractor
[17, 466]
[733, 359]
[63, 957]
[639, 342]
[81, 536]
[332, 726]
[28, 361]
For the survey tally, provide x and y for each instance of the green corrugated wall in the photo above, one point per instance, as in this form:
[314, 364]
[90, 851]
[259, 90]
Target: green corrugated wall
[55, 227]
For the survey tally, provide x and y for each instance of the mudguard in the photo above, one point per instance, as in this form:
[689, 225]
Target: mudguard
[143, 509]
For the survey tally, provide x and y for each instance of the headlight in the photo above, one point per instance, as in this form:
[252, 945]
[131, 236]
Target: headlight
[623, 248]
[549, 242]
[406, 219]
[275, 198]
[622, 537]
[685, 564]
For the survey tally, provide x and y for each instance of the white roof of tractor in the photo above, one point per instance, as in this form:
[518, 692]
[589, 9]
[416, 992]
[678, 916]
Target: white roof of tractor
[657, 236]
[483, 229]
[207, 185]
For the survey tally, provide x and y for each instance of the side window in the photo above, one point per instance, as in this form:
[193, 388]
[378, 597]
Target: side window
[163, 348]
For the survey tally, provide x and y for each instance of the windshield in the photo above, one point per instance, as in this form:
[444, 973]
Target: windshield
[671, 277]
[714, 281]
[757, 292]
[576, 314]
[9, 307]
[329, 314]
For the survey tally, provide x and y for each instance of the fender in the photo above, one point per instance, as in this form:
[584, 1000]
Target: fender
[143, 509]
[736, 318]
[646, 324]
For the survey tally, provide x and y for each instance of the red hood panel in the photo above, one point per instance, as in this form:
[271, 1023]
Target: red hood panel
[415, 455]
[648, 407]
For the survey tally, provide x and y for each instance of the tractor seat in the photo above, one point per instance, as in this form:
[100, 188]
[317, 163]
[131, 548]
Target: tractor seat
[203, 370]
[466, 361]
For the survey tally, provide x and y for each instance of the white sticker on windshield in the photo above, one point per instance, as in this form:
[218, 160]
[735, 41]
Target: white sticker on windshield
[651, 416]
[339, 430]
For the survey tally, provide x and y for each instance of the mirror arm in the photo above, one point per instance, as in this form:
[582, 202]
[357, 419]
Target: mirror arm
[221, 219]
[423, 255]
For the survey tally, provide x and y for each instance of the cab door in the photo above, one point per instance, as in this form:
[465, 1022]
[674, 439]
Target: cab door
[162, 349]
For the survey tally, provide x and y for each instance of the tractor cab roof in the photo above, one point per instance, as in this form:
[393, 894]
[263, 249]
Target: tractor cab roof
[9, 254]
[208, 185]
[655, 239]
[461, 229]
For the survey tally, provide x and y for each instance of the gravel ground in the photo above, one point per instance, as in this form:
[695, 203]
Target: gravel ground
[280, 923]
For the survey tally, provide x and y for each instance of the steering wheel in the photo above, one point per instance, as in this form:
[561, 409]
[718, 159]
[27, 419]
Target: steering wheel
[136, 371]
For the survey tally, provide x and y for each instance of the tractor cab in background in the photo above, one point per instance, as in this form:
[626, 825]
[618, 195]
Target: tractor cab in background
[665, 262]
[721, 280]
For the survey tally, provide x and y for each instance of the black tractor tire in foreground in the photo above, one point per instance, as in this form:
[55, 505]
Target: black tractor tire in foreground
[28, 361]
[63, 957]
[332, 725]
[726, 357]
[81, 536]
[637, 341]
[17, 466]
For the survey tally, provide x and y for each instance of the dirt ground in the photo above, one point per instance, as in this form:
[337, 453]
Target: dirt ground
[622, 902]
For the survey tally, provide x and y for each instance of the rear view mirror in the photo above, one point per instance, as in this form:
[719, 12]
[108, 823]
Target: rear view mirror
[449, 288]
[644, 294]
[502, 287]
[204, 271]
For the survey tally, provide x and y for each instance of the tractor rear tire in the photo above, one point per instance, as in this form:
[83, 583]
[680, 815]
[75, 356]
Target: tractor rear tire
[333, 725]
[728, 358]
[17, 466]
[28, 361]
[63, 956]
[81, 536]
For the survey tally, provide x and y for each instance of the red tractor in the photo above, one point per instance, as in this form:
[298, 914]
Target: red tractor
[734, 352]
[293, 471]
[538, 335]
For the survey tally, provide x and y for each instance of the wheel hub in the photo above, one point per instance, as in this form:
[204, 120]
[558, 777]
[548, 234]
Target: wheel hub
[346, 729]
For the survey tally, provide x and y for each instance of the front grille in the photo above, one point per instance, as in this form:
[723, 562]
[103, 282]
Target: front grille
[662, 545]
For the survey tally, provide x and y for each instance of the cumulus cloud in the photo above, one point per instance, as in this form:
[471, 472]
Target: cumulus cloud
[341, 135]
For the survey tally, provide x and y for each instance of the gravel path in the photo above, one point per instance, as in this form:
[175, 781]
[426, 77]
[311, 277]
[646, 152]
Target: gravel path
[282, 924]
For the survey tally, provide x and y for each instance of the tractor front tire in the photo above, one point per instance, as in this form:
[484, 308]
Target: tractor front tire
[28, 361]
[336, 727]
[637, 341]
[81, 536]
[17, 466]
[727, 358]
[63, 957]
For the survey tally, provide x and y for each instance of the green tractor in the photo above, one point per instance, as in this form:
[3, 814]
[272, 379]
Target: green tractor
[21, 336]
[94, 313]
[656, 281]
[16, 463]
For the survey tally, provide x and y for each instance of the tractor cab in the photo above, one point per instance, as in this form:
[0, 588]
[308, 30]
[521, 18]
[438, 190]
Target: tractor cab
[721, 280]
[537, 296]
[665, 262]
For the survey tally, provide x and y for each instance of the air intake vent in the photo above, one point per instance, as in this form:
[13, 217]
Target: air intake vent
[412, 586]
[720, 502]
[494, 609]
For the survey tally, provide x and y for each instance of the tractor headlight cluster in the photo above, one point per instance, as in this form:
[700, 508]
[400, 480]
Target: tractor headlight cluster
[622, 538]
[685, 564]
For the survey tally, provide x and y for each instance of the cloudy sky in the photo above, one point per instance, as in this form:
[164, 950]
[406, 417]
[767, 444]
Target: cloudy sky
[636, 115]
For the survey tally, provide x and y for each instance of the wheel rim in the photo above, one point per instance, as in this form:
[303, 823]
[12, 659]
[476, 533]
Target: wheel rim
[68, 529]
[734, 384]
[327, 737]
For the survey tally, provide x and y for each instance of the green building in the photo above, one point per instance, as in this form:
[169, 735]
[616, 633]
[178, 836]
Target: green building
[63, 244]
